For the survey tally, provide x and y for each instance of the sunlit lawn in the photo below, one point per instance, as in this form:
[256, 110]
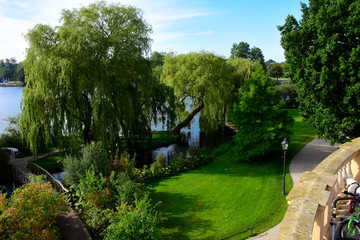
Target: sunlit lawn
[226, 196]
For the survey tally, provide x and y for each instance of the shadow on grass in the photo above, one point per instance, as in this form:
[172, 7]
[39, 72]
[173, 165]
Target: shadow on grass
[181, 221]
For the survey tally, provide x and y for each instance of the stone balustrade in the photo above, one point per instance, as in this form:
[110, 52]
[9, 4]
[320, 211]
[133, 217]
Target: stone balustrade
[310, 204]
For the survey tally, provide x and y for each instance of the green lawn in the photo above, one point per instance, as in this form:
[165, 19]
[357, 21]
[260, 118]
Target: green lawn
[159, 139]
[226, 196]
[56, 160]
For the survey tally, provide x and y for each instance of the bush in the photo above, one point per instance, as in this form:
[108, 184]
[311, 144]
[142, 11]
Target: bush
[155, 172]
[31, 212]
[91, 155]
[138, 222]
[123, 164]
[104, 200]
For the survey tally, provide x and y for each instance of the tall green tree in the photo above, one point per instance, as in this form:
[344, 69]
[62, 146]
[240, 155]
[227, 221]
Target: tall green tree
[257, 55]
[276, 70]
[241, 50]
[204, 80]
[89, 76]
[323, 58]
[261, 122]
[157, 59]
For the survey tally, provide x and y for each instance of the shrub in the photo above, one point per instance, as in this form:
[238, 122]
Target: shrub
[138, 222]
[91, 155]
[123, 164]
[31, 212]
[155, 172]
[98, 196]
[160, 160]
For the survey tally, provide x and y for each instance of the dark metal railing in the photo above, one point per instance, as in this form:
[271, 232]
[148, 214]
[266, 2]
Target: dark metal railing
[249, 229]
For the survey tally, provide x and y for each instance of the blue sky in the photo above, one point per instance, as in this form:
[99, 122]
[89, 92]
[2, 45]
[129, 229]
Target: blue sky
[179, 26]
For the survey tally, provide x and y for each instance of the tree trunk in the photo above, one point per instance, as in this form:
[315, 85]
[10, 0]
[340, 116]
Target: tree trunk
[188, 119]
[125, 134]
[87, 136]
[86, 133]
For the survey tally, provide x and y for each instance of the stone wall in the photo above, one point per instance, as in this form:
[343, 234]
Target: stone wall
[310, 204]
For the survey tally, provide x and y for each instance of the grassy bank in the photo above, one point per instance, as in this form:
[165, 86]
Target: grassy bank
[226, 196]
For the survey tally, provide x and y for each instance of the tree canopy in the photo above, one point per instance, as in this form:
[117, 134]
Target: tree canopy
[276, 70]
[261, 122]
[89, 76]
[242, 50]
[203, 79]
[323, 56]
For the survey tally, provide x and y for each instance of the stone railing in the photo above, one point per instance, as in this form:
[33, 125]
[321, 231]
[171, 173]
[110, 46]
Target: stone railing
[19, 175]
[56, 184]
[310, 204]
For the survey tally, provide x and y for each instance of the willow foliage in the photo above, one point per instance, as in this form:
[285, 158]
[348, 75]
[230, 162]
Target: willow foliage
[89, 76]
[202, 79]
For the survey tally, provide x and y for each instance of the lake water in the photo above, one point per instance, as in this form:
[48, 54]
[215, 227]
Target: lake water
[10, 98]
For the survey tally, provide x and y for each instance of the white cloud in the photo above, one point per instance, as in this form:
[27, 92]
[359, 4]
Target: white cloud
[18, 16]
[12, 42]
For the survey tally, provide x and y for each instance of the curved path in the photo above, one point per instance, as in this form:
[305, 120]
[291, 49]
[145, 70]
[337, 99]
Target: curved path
[70, 224]
[305, 160]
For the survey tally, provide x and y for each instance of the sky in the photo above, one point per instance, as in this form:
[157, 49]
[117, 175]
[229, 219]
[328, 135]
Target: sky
[179, 26]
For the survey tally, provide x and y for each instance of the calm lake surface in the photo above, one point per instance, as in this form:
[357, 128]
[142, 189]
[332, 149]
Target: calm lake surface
[10, 98]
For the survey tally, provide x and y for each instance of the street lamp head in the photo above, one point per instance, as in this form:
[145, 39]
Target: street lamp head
[285, 144]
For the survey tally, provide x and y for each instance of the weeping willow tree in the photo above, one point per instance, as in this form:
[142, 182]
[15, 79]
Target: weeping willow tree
[89, 76]
[203, 80]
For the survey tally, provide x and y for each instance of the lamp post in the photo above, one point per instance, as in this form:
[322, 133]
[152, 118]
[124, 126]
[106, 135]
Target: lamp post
[285, 145]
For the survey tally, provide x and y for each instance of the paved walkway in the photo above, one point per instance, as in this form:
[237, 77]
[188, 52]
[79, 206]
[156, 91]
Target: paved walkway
[70, 224]
[305, 160]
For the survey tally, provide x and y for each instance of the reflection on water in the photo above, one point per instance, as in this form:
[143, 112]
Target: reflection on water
[10, 98]
[191, 140]
[59, 176]
[9, 189]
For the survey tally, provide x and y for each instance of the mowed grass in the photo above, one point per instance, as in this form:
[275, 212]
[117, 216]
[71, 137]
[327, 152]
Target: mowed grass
[226, 196]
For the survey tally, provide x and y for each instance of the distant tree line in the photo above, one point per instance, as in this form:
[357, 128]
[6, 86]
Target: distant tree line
[11, 70]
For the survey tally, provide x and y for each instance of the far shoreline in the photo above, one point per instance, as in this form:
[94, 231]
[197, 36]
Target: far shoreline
[12, 84]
